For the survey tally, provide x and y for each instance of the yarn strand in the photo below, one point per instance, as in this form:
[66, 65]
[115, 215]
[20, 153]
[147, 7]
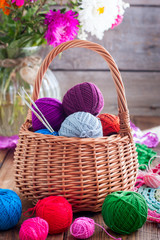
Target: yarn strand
[29, 210]
[32, 209]
[107, 232]
[84, 227]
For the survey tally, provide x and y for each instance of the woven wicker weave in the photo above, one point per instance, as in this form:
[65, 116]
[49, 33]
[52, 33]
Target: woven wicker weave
[83, 170]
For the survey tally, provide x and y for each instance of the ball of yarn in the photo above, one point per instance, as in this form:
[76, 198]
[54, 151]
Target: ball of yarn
[82, 228]
[57, 211]
[34, 229]
[124, 212]
[83, 97]
[53, 111]
[151, 179]
[10, 209]
[81, 124]
[110, 123]
[46, 131]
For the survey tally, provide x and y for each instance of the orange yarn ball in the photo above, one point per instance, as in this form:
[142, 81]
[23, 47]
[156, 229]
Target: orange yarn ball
[110, 123]
[57, 211]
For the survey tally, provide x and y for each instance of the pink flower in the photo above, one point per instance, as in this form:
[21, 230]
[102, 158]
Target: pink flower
[19, 3]
[62, 27]
[117, 21]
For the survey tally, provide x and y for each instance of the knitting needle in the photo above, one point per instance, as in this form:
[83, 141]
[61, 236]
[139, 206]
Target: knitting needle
[37, 115]
[46, 124]
[38, 110]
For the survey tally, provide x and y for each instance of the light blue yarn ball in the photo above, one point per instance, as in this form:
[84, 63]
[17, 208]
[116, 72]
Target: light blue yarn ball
[10, 209]
[81, 124]
[46, 131]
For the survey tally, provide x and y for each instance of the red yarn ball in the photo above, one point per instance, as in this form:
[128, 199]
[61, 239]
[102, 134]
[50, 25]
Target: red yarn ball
[57, 211]
[83, 97]
[110, 123]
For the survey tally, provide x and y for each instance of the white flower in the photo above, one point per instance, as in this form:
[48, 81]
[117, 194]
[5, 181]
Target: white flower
[96, 16]
[82, 34]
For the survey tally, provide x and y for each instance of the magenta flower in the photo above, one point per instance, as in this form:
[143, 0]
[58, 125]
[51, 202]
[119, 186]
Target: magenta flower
[18, 2]
[62, 27]
[8, 142]
[117, 21]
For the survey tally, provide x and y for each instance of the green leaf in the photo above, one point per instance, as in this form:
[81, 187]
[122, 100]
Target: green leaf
[12, 49]
[41, 29]
[63, 10]
[24, 26]
[3, 53]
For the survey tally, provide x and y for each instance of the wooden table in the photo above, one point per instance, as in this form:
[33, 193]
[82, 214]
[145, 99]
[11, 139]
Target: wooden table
[150, 230]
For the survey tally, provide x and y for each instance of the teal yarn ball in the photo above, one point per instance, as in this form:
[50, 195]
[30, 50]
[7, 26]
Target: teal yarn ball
[46, 131]
[81, 124]
[10, 209]
[124, 212]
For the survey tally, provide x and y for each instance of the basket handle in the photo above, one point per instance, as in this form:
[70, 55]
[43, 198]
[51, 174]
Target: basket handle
[122, 103]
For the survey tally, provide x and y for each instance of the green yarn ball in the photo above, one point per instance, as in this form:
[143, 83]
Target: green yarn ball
[124, 212]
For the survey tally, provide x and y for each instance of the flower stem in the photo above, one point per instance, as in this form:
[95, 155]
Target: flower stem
[40, 6]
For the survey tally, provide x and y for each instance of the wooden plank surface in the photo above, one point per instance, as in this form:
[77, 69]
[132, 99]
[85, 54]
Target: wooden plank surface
[134, 45]
[142, 89]
[144, 2]
[3, 155]
[144, 122]
[150, 230]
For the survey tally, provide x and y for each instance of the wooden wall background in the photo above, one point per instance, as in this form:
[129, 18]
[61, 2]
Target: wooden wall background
[135, 46]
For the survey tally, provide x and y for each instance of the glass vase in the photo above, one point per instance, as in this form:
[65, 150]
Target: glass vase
[18, 68]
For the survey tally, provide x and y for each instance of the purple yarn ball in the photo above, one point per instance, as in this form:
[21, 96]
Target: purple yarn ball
[52, 110]
[83, 97]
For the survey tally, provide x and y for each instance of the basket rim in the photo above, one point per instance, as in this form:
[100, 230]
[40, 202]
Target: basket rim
[114, 138]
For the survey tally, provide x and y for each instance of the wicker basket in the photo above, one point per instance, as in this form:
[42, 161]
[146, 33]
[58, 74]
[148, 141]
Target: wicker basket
[83, 170]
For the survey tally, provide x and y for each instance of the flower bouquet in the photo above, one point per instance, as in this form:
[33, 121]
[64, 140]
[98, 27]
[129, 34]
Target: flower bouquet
[28, 24]
[35, 22]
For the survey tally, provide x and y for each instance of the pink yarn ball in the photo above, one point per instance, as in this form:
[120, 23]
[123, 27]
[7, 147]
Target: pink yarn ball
[82, 228]
[53, 111]
[34, 229]
[151, 179]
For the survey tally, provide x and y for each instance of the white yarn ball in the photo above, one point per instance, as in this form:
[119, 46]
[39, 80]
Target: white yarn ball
[81, 124]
